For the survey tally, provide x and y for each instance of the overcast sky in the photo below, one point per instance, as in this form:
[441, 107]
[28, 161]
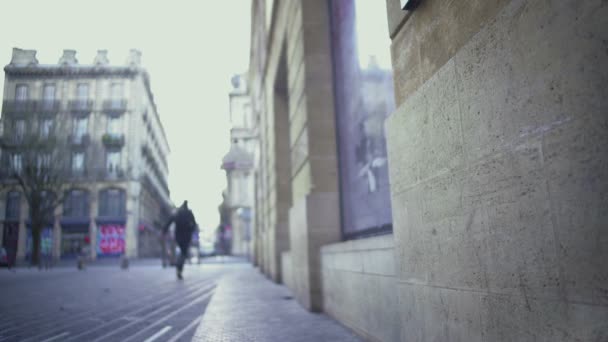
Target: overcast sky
[191, 49]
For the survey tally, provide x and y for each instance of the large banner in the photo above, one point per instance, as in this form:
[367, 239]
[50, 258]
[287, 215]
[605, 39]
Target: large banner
[111, 239]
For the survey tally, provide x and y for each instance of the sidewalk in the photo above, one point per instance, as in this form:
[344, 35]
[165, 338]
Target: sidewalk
[248, 307]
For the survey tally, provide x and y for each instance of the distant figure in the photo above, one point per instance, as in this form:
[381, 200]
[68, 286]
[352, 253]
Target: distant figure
[185, 225]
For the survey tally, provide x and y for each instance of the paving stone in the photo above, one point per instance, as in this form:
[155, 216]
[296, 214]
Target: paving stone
[248, 307]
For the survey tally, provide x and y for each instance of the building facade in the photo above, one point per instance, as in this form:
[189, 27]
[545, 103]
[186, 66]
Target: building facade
[116, 196]
[435, 170]
[240, 169]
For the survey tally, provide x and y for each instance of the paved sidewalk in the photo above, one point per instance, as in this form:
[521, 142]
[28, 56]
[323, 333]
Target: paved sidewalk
[248, 307]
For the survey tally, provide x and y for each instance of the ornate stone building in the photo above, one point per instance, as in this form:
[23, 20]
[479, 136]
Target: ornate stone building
[115, 147]
[240, 169]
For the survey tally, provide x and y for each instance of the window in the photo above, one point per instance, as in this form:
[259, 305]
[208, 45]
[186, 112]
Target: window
[77, 162]
[116, 95]
[43, 161]
[48, 96]
[13, 205]
[82, 91]
[82, 95]
[114, 126]
[16, 162]
[364, 98]
[20, 130]
[112, 203]
[21, 93]
[113, 161]
[116, 91]
[80, 128]
[46, 126]
[76, 204]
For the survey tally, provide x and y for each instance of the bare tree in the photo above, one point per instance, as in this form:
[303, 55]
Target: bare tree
[37, 163]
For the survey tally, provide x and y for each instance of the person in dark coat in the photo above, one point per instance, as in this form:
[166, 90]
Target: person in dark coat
[185, 225]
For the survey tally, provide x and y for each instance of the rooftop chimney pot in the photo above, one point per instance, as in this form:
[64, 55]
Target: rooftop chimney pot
[23, 57]
[68, 58]
[134, 59]
[101, 58]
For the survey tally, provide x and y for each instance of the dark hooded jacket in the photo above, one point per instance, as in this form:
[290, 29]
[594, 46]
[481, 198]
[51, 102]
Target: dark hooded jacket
[185, 224]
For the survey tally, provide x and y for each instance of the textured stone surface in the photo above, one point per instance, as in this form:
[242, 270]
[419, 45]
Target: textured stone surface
[499, 171]
[247, 307]
[359, 286]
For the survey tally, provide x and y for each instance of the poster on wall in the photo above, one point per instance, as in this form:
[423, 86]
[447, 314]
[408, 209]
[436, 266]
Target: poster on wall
[111, 239]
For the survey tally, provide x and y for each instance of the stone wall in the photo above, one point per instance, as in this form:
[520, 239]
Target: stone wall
[287, 270]
[292, 87]
[360, 285]
[499, 172]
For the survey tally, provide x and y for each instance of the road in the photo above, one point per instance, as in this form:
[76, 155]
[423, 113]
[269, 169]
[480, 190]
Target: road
[104, 303]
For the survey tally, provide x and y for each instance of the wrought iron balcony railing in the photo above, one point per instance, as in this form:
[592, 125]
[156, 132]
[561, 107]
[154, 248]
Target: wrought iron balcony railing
[81, 106]
[18, 106]
[113, 140]
[48, 106]
[114, 107]
[79, 139]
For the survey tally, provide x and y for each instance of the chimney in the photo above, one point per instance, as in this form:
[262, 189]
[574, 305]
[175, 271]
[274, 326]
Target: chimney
[23, 57]
[101, 58]
[134, 59]
[68, 58]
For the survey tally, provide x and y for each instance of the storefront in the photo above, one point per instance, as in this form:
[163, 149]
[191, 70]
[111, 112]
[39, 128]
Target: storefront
[75, 239]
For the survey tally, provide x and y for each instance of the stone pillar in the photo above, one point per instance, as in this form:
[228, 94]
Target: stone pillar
[131, 227]
[56, 239]
[314, 217]
[93, 207]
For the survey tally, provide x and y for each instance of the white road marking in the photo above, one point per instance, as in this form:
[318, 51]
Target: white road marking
[160, 333]
[186, 329]
[206, 292]
[56, 337]
[161, 320]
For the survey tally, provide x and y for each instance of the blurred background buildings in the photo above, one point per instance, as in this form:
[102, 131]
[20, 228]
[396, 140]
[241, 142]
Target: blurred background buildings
[114, 149]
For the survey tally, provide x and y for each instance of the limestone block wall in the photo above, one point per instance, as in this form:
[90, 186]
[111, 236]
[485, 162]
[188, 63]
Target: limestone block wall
[297, 182]
[499, 171]
[287, 270]
[360, 286]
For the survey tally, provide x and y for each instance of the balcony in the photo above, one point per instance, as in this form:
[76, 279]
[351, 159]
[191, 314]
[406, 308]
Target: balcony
[82, 107]
[81, 140]
[11, 140]
[112, 173]
[113, 140]
[18, 107]
[48, 107]
[114, 107]
[79, 173]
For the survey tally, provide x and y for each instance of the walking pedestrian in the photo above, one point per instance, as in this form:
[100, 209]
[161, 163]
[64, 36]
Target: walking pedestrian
[185, 225]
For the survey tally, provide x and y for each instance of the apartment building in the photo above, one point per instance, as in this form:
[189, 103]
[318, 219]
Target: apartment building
[116, 197]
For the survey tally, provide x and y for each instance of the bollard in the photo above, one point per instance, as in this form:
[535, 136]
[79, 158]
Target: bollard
[80, 263]
[124, 262]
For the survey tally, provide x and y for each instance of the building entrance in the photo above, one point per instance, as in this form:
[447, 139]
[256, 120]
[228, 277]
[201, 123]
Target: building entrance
[74, 243]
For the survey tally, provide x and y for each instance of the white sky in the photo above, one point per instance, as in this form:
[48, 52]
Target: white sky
[191, 49]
